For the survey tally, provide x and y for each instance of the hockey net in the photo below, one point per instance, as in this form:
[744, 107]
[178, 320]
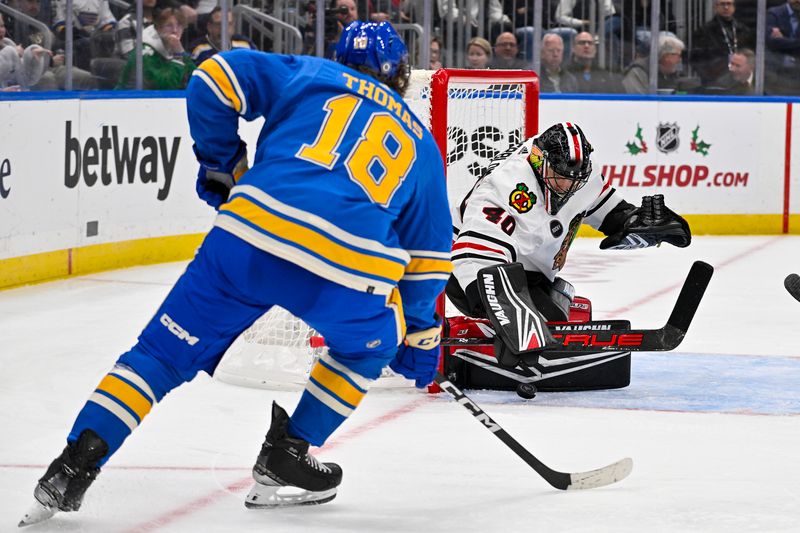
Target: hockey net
[474, 116]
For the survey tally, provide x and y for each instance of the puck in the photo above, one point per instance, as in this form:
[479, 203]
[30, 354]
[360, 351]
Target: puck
[526, 390]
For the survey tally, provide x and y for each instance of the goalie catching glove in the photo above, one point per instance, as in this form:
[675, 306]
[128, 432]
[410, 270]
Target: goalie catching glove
[418, 357]
[650, 225]
[214, 182]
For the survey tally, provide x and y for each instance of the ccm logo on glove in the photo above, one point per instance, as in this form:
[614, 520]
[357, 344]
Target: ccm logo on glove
[426, 339]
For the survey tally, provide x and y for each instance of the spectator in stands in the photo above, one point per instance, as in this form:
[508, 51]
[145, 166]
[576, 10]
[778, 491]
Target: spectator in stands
[573, 16]
[212, 42]
[479, 53]
[350, 15]
[20, 68]
[496, 19]
[739, 80]
[636, 15]
[436, 53]
[577, 14]
[165, 63]
[347, 13]
[187, 9]
[91, 19]
[506, 53]
[388, 11]
[590, 77]
[552, 77]
[637, 74]
[125, 35]
[23, 33]
[783, 45]
[51, 64]
[520, 13]
[716, 41]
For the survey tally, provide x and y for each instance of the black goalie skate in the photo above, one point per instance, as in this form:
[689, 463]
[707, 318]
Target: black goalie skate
[63, 485]
[285, 473]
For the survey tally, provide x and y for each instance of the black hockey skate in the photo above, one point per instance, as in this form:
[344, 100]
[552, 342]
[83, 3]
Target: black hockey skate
[285, 473]
[63, 485]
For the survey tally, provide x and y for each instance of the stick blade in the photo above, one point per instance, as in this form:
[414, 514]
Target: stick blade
[792, 284]
[602, 476]
[690, 296]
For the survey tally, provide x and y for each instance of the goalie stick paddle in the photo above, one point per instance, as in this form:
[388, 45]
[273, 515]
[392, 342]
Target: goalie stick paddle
[605, 336]
[792, 284]
[560, 480]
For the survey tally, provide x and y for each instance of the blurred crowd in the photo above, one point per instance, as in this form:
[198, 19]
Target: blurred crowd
[577, 46]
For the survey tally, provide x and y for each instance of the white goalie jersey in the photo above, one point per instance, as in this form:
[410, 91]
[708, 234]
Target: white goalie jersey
[507, 218]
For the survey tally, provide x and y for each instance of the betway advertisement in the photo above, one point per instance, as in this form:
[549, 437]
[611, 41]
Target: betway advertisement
[83, 172]
[705, 157]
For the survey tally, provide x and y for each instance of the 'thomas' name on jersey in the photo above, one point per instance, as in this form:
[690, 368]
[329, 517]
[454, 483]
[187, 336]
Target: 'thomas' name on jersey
[345, 182]
[505, 219]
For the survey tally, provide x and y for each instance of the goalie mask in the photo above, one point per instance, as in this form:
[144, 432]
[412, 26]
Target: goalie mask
[375, 49]
[560, 158]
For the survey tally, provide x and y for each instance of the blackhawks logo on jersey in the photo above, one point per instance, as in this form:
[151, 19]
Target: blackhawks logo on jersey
[520, 199]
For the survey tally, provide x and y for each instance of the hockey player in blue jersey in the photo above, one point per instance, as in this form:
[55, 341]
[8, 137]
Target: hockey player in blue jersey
[342, 220]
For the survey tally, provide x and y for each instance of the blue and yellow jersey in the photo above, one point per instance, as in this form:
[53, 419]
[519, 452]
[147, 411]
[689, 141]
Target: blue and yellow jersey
[346, 182]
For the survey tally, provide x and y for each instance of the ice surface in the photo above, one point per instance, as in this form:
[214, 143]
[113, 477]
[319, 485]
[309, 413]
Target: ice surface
[713, 428]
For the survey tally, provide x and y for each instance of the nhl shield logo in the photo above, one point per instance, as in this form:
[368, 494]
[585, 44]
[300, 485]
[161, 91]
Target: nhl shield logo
[667, 139]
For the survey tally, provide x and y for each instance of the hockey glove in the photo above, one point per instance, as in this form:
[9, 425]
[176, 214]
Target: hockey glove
[650, 225]
[214, 182]
[418, 357]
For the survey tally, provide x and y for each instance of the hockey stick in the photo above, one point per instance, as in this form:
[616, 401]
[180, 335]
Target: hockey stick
[560, 480]
[792, 284]
[606, 336]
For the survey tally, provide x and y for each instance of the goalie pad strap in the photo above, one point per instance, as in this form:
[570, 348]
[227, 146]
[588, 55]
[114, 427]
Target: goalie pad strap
[504, 293]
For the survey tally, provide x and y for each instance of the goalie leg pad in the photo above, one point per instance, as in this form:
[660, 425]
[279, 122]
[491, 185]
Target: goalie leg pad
[518, 324]
[476, 367]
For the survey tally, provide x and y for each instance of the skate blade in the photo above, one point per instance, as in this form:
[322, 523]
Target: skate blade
[37, 513]
[272, 497]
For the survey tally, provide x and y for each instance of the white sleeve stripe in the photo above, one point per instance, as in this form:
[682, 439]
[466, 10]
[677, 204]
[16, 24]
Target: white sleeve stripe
[110, 405]
[424, 277]
[234, 81]
[327, 399]
[362, 382]
[136, 379]
[213, 86]
[429, 254]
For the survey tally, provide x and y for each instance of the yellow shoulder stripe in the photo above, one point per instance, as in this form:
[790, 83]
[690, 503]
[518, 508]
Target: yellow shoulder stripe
[312, 240]
[427, 265]
[218, 75]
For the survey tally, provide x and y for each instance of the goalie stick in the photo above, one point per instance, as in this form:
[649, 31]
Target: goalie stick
[606, 336]
[792, 284]
[560, 480]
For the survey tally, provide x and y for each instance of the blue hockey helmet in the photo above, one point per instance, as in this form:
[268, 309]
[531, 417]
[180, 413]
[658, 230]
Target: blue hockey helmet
[374, 47]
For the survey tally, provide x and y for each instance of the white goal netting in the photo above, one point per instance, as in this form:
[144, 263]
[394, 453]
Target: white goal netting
[481, 113]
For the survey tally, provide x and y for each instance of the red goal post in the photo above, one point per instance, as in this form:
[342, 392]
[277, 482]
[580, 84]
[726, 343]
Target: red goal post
[473, 115]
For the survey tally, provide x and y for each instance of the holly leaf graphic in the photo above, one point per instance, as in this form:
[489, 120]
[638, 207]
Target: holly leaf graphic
[702, 147]
[633, 149]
